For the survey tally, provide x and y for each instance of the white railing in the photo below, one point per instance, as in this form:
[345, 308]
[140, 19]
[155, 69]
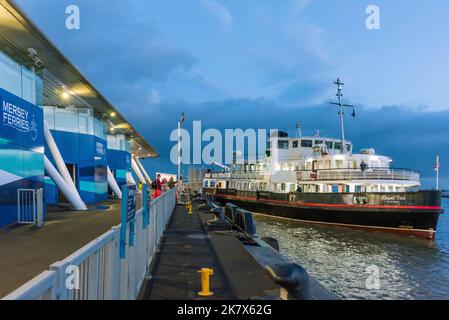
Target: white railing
[218, 175]
[96, 272]
[357, 174]
[247, 175]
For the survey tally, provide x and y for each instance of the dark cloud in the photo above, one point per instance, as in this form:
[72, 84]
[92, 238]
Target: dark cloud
[121, 52]
[412, 139]
[116, 44]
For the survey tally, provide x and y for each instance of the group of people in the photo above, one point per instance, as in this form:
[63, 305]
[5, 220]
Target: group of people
[161, 186]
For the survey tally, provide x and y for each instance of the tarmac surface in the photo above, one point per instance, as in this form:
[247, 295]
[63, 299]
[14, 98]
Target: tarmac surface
[189, 246]
[26, 251]
[184, 251]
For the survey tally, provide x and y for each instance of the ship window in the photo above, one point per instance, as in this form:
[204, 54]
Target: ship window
[282, 144]
[348, 147]
[295, 144]
[306, 143]
[339, 164]
[337, 146]
[329, 145]
[319, 142]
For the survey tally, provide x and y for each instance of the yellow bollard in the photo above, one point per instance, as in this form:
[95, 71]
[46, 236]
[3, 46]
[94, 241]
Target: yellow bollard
[205, 282]
[189, 207]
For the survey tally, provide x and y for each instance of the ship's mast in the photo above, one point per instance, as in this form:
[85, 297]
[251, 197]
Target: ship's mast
[341, 112]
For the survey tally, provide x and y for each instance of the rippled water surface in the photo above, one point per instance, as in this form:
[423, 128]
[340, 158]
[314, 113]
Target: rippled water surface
[338, 257]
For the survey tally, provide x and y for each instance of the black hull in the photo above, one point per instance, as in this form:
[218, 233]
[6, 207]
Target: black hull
[416, 213]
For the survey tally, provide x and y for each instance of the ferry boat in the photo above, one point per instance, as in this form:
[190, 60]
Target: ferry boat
[322, 180]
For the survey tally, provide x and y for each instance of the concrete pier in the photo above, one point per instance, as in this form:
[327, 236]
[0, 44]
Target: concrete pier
[188, 247]
[26, 250]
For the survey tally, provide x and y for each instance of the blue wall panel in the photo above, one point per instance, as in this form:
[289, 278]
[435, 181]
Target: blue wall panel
[119, 162]
[68, 144]
[88, 153]
[50, 191]
[21, 152]
[118, 159]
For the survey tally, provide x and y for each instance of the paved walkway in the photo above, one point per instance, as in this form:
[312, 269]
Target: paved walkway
[186, 249]
[27, 251]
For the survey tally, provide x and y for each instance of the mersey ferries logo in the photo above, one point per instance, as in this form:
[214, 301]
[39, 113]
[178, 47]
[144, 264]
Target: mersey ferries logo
[19, 119]
[360, 199]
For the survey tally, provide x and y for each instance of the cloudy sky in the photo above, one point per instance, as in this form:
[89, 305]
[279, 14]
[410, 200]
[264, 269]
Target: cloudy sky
[267, 64]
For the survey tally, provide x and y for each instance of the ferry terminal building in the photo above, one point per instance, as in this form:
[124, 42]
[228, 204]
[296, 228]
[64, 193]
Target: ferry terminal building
[58, 134]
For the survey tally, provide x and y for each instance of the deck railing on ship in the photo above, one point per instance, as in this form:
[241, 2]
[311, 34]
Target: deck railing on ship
[358, 174]
[235, 175]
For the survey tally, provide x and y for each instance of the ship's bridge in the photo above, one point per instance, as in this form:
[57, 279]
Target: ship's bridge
[283, 148]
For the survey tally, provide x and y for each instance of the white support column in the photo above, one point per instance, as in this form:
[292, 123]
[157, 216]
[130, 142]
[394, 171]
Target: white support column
[62, 169]
[142, 169]
[130, 178]
[113, 184]
[77, 203]
[137, 171]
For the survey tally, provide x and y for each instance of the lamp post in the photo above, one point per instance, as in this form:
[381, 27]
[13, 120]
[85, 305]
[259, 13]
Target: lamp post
[181, 120]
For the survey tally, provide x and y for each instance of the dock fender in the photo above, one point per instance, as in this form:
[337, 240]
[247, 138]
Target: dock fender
[231, 211]
[272, 242]
[293, 278]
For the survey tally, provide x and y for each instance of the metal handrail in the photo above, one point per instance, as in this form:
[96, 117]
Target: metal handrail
[367, 169]
[358, 174]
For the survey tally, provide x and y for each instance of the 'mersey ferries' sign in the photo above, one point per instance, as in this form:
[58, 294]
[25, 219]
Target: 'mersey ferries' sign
[21, 121]
[18, 118]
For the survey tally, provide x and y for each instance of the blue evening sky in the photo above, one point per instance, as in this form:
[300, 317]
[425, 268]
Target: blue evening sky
[267, 64]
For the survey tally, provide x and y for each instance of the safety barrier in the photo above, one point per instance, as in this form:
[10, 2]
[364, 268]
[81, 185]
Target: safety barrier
[96, 272]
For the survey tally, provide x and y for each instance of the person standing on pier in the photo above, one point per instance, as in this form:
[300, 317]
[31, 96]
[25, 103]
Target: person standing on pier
[158, 187]
[171, 183]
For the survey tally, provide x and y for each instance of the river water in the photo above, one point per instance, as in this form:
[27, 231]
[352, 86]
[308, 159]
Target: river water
[345, 260]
